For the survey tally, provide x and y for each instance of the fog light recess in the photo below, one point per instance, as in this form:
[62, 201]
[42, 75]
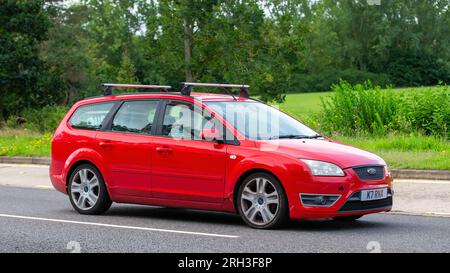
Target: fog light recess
[318, 200]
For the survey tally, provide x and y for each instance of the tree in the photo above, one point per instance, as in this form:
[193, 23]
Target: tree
[276, 46]
[67, 38]
[127, 71]
[23, 25]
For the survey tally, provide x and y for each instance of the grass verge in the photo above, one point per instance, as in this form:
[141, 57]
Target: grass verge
[24, 143]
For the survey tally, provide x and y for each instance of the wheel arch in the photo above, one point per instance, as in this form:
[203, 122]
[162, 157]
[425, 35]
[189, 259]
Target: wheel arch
[75, 165]
[246, 174]
[85, 155]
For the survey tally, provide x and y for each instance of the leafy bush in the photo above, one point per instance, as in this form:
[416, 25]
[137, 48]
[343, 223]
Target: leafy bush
[366, 109]
[413, 67]
[45, 119]
[427, 111]
[360, 108]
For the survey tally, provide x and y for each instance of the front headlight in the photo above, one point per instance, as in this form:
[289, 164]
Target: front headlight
[321, 168]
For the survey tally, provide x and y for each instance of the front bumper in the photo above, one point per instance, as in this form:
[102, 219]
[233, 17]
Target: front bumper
[354, 204]
[348, 203]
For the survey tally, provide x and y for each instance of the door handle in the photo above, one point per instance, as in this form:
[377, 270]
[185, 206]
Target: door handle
[164, 150]
[105, 144]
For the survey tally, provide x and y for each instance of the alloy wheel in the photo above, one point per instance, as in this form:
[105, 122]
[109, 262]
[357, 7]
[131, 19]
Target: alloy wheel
[85, 189]
[260, 201]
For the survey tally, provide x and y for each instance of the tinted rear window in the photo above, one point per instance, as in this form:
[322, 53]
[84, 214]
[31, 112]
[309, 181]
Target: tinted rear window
[90, 116]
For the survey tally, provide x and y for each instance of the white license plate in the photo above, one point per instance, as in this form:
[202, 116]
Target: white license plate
[369, 195]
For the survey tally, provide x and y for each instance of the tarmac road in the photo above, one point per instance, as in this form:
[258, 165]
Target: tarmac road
[42, 220]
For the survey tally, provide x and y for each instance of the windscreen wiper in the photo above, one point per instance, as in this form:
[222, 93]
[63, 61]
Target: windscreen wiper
[288, 137]
[316, 136]
[292, 136]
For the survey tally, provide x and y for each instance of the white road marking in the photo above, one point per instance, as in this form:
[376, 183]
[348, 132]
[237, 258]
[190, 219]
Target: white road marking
[117, 226]
[48, 187]
[417, 181]
[24, 165]
[38, 187]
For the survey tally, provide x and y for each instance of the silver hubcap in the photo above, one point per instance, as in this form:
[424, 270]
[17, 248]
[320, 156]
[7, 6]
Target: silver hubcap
[260, 201]
[85, 189]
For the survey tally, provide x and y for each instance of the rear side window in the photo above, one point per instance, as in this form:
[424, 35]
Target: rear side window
[90, 116]
[135, 117]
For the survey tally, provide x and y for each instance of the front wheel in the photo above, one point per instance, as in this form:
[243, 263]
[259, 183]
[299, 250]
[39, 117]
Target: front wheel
[262, 202]
[87, 190]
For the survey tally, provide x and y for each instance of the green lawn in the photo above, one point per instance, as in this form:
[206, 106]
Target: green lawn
[410, 152]
[303, 103]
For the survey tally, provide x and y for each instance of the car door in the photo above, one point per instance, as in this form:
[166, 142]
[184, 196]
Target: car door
[186, 167]
[126, 145]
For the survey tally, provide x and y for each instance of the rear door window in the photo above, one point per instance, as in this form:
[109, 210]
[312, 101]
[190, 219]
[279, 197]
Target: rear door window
[135, 117]
[90, 116]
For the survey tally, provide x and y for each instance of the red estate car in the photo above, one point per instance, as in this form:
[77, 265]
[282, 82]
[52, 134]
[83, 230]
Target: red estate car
[218, 152]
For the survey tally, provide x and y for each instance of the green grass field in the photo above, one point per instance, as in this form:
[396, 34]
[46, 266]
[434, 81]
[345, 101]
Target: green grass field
[303, 103]
[409, 152]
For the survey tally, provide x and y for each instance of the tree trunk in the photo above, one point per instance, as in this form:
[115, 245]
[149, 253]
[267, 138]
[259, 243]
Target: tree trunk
[2, 118]
[188, 37]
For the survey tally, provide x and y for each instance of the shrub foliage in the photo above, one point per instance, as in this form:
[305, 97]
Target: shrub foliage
[367, 109]
[43, 120]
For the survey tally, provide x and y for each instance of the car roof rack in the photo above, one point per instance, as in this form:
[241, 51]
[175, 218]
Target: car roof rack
[110, 86]
[187, 88]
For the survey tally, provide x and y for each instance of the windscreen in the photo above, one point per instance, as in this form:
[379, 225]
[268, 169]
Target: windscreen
[259, 121]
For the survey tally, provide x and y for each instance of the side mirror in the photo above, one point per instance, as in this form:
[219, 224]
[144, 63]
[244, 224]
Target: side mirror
[210, 134]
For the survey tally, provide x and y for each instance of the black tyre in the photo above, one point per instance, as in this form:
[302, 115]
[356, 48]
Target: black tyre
[261, 201]
[347, 218]
[87, 190]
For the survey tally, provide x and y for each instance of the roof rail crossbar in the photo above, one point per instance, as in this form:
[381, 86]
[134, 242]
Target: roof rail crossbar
[110, 86]
[187, 88]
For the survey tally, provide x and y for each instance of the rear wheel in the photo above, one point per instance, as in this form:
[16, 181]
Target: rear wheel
[261, 201]
[347, 218]
[87, 190]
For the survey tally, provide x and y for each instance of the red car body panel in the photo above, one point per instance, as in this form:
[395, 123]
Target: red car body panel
[156, 170]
